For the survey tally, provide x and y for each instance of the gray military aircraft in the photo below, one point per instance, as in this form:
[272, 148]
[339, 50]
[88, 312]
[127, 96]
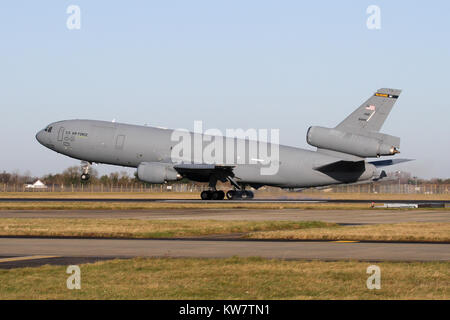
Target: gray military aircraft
[340, 157]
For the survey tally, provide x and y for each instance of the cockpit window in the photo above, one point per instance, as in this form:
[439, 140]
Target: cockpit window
[48, 129]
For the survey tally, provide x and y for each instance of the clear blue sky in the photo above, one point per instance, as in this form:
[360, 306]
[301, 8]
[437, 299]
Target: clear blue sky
[232, 64]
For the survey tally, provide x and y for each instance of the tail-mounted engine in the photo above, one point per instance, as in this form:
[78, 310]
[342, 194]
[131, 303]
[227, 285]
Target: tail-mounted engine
[366, 144]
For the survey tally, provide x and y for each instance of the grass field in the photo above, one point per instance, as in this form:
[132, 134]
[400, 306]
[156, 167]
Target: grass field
[232, 278]
[302, 230]
[414, 231]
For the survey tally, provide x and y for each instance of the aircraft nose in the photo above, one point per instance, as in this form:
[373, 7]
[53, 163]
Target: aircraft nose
[39, 136]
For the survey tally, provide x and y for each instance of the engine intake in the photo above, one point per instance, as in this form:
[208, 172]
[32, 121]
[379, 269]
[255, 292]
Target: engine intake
[370, 144]
[157, 172]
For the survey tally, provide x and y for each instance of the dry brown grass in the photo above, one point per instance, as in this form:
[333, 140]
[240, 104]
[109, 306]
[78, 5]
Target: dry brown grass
[232, 278]
[304, 230]
[132, 228]
[423, 231]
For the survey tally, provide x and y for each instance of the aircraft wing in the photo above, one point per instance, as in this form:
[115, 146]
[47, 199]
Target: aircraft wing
[371, 115]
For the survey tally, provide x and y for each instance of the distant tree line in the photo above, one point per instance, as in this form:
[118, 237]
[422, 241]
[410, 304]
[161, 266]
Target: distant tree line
[70, 176]
[15, 177]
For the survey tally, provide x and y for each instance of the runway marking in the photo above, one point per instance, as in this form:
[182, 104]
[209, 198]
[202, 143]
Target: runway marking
[25, 258]
[345, 241]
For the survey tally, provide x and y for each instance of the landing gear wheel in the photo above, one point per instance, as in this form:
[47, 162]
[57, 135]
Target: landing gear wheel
[85, 170]
[221, 195]
[212, 195]
[215, 195]
[239, 194]
[205, 195]
[231, 194]
[249, 194]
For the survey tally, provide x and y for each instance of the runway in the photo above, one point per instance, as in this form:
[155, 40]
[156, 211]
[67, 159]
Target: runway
[369, 216]
[282, 200]
[21, 252]
[309, 250]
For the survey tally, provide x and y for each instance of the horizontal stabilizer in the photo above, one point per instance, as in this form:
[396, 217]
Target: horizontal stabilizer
[388, 162]
[343, 170]
[342, 166]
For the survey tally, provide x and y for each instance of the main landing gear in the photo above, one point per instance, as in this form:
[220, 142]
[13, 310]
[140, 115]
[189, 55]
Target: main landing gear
[238, 192]
[231, 194]
[85, 166]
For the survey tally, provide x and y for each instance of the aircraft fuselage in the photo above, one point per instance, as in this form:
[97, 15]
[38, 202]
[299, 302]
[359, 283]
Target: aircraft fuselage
[130, 145]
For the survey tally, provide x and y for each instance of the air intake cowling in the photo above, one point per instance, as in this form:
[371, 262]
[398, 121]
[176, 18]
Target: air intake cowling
[157, 172]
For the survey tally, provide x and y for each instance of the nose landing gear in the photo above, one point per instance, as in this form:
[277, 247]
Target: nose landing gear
[85, 166]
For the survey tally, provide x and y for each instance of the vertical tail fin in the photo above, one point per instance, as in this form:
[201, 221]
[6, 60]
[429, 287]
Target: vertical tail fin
[371, 115]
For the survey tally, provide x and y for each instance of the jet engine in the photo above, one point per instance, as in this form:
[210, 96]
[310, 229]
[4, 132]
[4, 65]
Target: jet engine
[366, 144]
[157, 172]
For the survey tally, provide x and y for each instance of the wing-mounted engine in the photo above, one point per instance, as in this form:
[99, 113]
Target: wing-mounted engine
[157, 172]
[362, 144]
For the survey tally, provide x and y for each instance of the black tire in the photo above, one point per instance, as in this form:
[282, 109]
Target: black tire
[215, 195]
[205, 195]
[249, 194]
[85, 177]
[221, 194]
[230, 194]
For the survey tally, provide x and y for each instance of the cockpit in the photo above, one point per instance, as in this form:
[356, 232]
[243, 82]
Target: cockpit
[45, 136]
